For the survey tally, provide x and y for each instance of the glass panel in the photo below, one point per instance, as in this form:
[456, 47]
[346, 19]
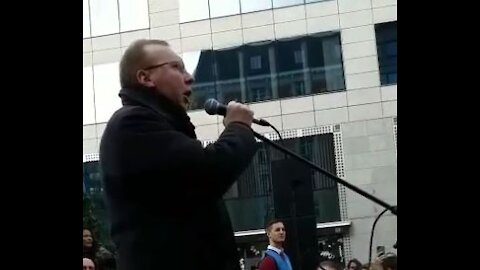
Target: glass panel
[386, 34]
[285, 3]
[94, 212]
[86, 19]
[200, 63]
[88, 98]
[107, 86]
[257, 63]
[230, 84]
[220, 8]
[325, 63]
[133, 15]
[290, 68]
[255, 5]
[253, 189]
[193, 10]
[104, 17]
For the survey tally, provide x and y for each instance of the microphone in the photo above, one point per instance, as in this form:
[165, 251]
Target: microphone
[212, 107]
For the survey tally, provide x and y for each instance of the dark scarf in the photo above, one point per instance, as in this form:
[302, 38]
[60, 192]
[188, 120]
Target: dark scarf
[150, 98]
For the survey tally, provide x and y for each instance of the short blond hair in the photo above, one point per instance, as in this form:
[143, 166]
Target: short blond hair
[133, 59]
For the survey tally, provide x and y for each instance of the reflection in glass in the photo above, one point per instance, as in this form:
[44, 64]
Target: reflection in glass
[248, 213]
[325, 63]
[193, 10]
[256, 59]
[268, 70]
[86, 19]
[220, 8]
[201, 65]
[230, 86]
[255, 5]
[250, 201]
[88, 98]
[290, 68]
[94, 211]
[104, 17]
[133, 14]
[107, 86]
[285, 3]
[386, 34]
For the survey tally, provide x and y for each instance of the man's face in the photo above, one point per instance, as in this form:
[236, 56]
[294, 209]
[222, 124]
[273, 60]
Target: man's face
[88, 264]
[87, 238]
[165, 71]
[277, 232]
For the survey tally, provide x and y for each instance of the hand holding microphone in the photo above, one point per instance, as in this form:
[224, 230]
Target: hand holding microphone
[233, 112]
[238, 112]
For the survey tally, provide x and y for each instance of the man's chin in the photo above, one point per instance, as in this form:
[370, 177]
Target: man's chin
[186, 106]
[185, 102]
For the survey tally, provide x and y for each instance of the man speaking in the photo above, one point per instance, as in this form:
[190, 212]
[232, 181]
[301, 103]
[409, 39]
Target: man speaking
[163, 189]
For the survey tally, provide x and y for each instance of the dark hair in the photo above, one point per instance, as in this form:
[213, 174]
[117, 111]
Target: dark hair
[101, 257]
[271, 222]
[90, 252]
[357, 263]
[132, 60]
[331, 264]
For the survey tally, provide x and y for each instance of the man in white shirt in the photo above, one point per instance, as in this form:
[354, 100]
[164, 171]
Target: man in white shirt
[275, 257]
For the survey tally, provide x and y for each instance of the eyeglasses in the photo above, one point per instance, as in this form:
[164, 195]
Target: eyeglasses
[174, 64]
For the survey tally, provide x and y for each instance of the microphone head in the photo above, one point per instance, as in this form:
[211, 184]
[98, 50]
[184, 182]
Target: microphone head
[211, 106]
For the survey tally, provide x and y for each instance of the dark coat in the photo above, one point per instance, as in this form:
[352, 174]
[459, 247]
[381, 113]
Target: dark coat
[164, 190]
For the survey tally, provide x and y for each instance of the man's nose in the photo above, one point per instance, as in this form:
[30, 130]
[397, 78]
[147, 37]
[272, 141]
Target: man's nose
[188, 78]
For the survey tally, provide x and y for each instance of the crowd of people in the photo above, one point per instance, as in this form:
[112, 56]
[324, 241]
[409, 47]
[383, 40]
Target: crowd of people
[277, 259]
[97, 257]
[384, 262]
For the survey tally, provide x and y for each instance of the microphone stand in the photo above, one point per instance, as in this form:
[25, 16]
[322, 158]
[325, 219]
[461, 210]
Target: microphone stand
[393, 209]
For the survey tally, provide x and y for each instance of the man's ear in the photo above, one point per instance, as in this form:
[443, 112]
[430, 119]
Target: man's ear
[143, 78]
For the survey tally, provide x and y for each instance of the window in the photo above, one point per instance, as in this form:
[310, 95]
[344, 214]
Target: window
[133, 15]
[256, 62]
[220, 8]
[229, 85]
[290, 70]
[255, 5]
[386, 35]
[202, 65]
[325, 62]
[286, 3]
[107, 85]
[253, 193]
[268, 70]
[193, 10]
[298, 57]
[86, 19]
[104, 17]
[101, 17]
[94, 210]
[257, 73]
[88, 96]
